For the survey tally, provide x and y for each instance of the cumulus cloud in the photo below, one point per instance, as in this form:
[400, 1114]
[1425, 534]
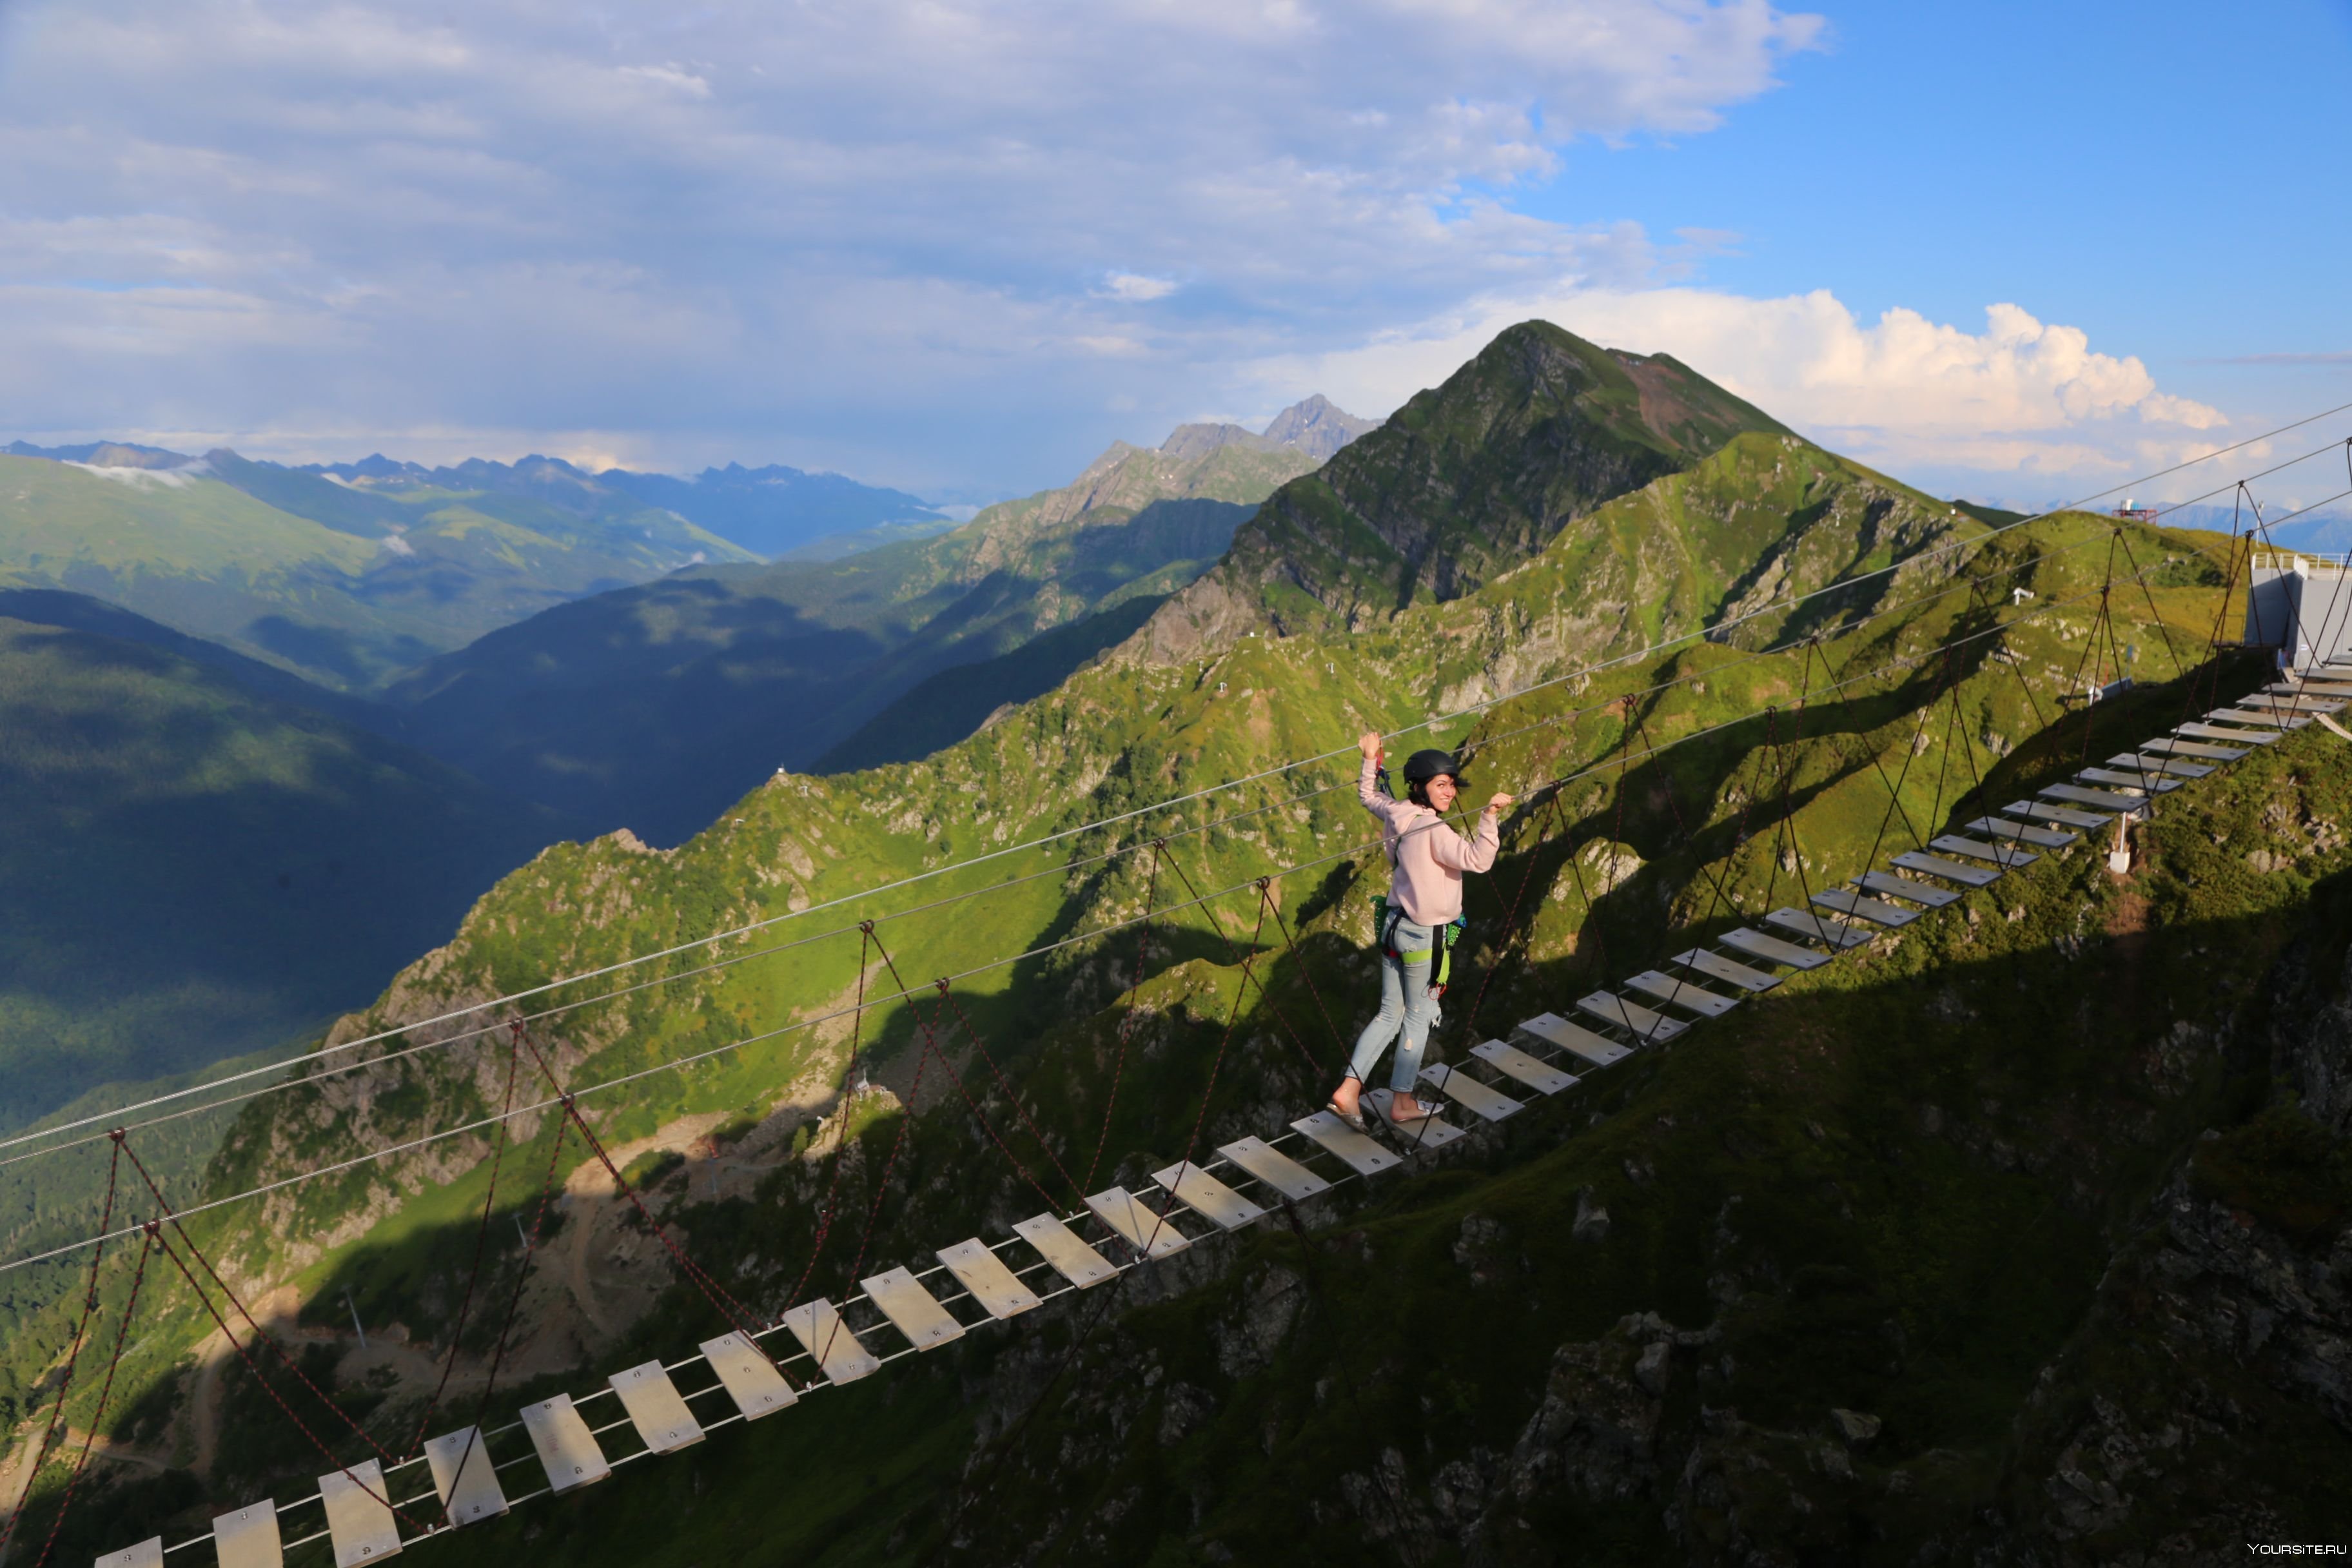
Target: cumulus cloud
[2021, 398]
[758, 230]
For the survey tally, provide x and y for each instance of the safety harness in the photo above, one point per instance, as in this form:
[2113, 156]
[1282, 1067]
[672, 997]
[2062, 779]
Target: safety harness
[1387, 917]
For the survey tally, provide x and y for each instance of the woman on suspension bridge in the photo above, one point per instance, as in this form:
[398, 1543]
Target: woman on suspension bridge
[1417, 924]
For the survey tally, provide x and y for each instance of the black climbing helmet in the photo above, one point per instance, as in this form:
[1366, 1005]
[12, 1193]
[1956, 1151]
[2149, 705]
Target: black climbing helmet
[1422, 766]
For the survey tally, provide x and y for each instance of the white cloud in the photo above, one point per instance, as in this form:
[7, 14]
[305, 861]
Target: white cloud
[801, 232]
[1134, 288]
[1902, 393]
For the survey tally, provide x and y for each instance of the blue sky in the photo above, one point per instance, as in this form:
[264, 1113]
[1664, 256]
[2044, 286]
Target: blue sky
[958, 246]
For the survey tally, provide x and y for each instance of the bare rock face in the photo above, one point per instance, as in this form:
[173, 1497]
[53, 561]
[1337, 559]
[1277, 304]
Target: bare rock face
[2249, 1293]
[1596, 1432]
[2314, 1054]
[1247, 1342]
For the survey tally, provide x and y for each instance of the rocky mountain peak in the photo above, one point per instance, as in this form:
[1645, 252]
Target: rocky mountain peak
[1317, 426]
[1466, 480]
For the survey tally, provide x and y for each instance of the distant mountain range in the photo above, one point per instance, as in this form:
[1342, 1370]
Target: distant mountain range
[204, 854]
[345, 586]
[652, 708]
[769, 512]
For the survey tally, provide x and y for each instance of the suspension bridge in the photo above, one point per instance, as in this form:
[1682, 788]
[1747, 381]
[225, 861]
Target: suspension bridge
[407, 1492]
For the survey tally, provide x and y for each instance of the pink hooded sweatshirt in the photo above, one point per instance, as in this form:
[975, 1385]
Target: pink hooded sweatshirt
[1429, 856]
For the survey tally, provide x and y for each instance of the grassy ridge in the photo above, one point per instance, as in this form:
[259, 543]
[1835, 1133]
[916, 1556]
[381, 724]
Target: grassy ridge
[343, 587]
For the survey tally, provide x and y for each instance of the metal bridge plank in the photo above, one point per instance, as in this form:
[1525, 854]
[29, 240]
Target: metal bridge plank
[839, 1355]
[2043, 811]
[2135, 763]
[1563, 1034]
[1905, 888]
[1208, 1197]
[996, 1287]
[1359, 1153]
[2138, 780]
[1275, 1168]
[1836, 934]
[1716, 966]
[464, 1477]
[148, 1553]
[750, 1379]
[656, 1408]
[2166, 745]
[247, 1537]
[1950, 870]
[1072, 1259]
[360, 1521]
[1682, 992]
[2202, 732]
[1778, 950]
[1482, 1101]
[567, 1450]
[2004, 854]
[1610, 1008]
[2002, 827]
[1540, 1076]
[1143, 1228]
[912, 1311]
[1846, 902]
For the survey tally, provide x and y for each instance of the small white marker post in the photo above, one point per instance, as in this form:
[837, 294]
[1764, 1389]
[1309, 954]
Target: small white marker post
[356, 1326]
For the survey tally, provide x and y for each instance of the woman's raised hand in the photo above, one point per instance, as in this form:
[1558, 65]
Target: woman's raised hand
[1368, 742]
[1500, 802]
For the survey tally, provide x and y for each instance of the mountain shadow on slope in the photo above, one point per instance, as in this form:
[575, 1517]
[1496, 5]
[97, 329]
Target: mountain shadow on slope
[204, 858]
[655, 708]
[945, 707]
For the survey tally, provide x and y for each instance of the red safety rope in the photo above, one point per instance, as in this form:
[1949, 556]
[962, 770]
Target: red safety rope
[277, 1398]
[481, 1241]
[889, 1168]
[867, 940]
[1002, 1082]
[105, 1396]
[1510, 917]
[1232, 1020]
[1308, 973]
[214, 1274]
[1233, 957]
[73, 1353]
[978, 1115]
[737, 1316]
[1126, 1024]
[514, 1299]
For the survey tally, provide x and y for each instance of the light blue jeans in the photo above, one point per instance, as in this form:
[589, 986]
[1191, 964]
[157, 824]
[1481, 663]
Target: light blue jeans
[1407, 1010]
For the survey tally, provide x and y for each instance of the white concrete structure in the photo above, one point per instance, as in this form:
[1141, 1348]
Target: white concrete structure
[2300, 604]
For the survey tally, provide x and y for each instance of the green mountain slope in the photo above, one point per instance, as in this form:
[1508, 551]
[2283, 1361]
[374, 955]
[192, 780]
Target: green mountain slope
[339, 586]
[198, 864]
[656, 707]
[1916, 1185]
[1465, 481]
